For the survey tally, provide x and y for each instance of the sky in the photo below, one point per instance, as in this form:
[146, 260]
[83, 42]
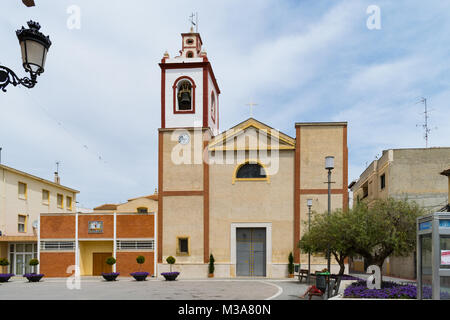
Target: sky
[96, 108]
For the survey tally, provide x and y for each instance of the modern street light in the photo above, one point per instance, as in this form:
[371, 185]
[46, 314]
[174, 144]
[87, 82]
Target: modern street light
[34, 46]
[329, 165]
[309, 204]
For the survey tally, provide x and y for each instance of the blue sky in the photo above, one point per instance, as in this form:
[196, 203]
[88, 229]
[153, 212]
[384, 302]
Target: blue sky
[96, 109]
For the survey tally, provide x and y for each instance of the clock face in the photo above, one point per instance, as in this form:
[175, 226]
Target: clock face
[183, 138]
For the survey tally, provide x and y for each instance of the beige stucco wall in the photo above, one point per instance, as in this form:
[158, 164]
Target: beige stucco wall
[317, 142]
[133, 205]
[252, 201]
[183, 217]
[11, 205]
[87, 248]
[184, 176]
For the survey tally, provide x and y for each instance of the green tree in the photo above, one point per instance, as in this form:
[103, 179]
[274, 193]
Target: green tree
[329, 231]
[386, 227]
[170, 260]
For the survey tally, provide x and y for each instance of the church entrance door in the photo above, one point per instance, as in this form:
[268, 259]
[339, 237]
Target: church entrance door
[251, 252]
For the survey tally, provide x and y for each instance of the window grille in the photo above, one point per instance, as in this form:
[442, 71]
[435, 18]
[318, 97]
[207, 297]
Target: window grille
[135, 244]
[57, 245]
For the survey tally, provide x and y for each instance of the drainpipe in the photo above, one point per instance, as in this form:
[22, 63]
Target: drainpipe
[77, 253]
[115, 240]
[39, 242]
[155, 247]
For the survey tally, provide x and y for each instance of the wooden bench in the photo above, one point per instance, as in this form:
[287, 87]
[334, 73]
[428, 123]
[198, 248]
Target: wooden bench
[303, 273]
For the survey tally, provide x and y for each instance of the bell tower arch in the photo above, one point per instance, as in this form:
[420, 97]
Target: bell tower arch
[189, 90]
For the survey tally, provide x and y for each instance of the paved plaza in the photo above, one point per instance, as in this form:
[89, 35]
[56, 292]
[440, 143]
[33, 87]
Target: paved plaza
[152, 289]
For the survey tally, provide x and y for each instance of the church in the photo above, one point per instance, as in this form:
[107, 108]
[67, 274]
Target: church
[239, 194]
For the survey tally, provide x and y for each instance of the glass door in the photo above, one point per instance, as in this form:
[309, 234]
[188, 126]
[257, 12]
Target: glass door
[20, 255]
[19, 264]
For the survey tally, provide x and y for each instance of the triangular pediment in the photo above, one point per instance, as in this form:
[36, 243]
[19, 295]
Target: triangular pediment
[252, 135]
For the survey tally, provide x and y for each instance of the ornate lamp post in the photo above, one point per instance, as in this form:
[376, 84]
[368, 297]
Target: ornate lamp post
[34, 46]
[329, 165]
[309, 204]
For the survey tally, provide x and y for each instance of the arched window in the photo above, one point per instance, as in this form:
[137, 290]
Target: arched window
[184, 95]
[250, 172]
[213, 106]
[190, 54]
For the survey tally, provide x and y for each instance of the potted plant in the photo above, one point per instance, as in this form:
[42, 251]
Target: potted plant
[33, 277]
[4, 277]
[291, 265]
[170, 276]
[211, 266]
[140, 276]
[110, 276]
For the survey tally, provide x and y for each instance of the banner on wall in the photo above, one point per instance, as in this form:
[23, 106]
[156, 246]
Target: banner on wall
[445, 257]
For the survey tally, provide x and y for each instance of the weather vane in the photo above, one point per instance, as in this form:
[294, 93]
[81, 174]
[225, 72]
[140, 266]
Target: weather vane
[191, 18]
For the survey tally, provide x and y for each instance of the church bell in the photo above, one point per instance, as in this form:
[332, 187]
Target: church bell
[184, 97]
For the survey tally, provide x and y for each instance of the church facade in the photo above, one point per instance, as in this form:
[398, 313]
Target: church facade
[240, 195]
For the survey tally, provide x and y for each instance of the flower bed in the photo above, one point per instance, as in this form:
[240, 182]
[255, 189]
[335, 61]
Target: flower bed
[110, 276]
[33, 277]
[389, 290]
[4, 277]
[170, 276]
[139, 276]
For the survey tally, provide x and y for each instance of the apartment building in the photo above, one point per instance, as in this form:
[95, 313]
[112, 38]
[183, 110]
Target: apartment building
[23, 197]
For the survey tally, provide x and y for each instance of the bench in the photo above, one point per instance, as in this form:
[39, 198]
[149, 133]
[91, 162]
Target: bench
[303, 273]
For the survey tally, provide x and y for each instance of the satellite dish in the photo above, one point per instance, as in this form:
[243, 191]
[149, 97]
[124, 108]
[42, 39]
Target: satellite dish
[35, 224]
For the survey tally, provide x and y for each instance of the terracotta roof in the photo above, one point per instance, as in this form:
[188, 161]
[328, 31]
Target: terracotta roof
[151, 197]
[106, 206]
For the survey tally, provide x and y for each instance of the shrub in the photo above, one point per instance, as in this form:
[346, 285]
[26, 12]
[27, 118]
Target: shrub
[33, 262]
[110, 261]
[4, 262]
[140, 259]
[170, 260]
[211, 264]
[291, 263]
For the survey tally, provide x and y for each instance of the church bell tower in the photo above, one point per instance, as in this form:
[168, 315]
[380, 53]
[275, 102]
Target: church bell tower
[189, 119]
[189, 90]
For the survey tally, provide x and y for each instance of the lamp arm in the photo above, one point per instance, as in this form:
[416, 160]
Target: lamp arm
[7, 76]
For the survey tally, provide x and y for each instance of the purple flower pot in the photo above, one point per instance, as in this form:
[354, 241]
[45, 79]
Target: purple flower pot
[33, 277]
[4, 277]
[139, 276]
[110, 276]
[170, 276]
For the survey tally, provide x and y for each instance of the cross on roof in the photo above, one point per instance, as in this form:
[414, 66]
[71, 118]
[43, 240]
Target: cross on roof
[251, 105]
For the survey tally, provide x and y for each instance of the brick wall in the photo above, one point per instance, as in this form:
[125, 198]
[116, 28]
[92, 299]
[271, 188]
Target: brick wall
[135, 226]
[54, 264]
[108, 226]
[57, 227]
[126, 263]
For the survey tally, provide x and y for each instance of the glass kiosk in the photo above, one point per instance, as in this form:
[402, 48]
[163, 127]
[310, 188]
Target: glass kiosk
[433, 256]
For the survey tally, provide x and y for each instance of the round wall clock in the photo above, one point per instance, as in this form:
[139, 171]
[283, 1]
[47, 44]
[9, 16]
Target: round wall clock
[183, 138]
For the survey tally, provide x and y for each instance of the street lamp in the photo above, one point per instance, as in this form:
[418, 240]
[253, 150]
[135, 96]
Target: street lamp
[309, 204]
[329, 165]
[34, 46]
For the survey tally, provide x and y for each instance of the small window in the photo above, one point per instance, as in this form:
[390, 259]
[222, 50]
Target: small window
[251, 171]
[22, 223]
[45, 196]
[190, 41]
[69, 203]
[142, 210]
[22, 190]
[383, 181]
[190, 54]
[183, 246]
[60, 201]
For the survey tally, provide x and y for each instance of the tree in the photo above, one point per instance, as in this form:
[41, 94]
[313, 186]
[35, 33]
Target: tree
[329, 231]
[386, 227]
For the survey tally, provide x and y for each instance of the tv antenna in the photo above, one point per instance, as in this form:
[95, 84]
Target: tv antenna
[191, 18]
[427, 130]
[57, 167]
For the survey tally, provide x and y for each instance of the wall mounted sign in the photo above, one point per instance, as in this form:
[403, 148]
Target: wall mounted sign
[95, 227]
[425, 225]
[444, 223]
[445, 257]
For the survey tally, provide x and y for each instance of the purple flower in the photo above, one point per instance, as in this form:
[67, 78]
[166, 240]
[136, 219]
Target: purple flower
[170, 273]
[139, 273]
[111, 274]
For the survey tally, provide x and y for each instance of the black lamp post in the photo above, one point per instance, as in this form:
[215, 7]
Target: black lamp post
[329, 165]
[309, 204]
[34, 46]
